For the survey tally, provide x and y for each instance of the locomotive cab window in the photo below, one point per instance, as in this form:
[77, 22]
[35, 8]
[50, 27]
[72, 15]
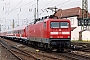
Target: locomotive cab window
[44, 24]
[64, 25]
[59, 25]
[54, 24]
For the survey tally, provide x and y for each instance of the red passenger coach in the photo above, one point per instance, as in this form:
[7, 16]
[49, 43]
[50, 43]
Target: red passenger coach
[3, 33]
[18, 33]
[50, 33]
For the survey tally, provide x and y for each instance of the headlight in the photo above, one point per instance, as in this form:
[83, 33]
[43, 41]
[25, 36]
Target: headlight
[68, 36]
[51, 37]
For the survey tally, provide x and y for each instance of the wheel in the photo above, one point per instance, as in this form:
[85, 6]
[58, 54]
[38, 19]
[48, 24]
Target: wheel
[51, 48]
[60, 50]
[41, 44]
[45, 46]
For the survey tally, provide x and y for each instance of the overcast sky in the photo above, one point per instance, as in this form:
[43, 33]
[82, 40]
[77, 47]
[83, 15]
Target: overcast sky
[23, 10]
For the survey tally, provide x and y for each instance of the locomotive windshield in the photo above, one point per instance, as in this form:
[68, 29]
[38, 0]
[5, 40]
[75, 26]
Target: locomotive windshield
[54, 24]
[64, 24]
[59, 24]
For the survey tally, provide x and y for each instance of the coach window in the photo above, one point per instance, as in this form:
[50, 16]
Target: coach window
[10, 32]
[17, 32]
[44, 24]
[22, 31]
[14, 32]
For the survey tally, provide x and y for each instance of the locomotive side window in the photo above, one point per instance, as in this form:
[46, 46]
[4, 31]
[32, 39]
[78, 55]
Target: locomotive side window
[27, 28]
[44, 24]
[18, 32]
[64, 24]
[22, 31]
[54, 24]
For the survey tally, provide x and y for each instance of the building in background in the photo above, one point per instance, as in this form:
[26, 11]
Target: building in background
[75, 16]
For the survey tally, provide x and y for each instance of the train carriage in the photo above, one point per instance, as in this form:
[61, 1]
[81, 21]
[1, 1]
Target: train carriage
[18, 33]
[3, 34]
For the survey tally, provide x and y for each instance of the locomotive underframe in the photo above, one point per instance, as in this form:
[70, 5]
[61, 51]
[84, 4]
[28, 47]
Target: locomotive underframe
[55, 43]
[65, 42]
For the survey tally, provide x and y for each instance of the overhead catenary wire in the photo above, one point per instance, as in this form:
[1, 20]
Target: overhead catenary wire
[43, 8]
[63, 2]
[56, 5]
[4, 7]
[31, 2]
[18, 7]
[9, 1]
[48, 3]
[13, 8]
[59, 4]
[24, 5]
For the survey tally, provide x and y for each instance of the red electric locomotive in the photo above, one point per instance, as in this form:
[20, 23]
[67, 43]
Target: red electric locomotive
[50, 33]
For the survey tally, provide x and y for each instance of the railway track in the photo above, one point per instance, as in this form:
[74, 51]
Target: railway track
[85, 47]
[1, 43]
[25, 55]
[6, 54]
[73, 55]
[45, 55]
[18, 53]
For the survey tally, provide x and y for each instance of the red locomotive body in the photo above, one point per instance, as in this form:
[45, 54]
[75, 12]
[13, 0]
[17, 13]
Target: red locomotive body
[50, 33]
